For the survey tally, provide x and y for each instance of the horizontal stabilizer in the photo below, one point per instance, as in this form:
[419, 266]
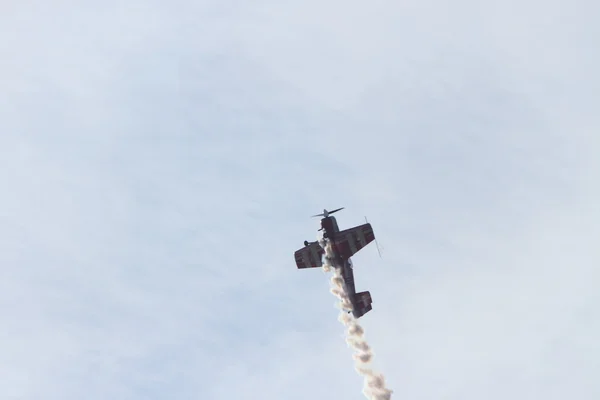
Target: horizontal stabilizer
[363, 303]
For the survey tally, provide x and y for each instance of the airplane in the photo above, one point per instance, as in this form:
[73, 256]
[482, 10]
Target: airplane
[345, 244]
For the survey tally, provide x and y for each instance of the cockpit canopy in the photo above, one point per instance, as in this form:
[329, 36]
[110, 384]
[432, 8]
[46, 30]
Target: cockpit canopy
[329, 225]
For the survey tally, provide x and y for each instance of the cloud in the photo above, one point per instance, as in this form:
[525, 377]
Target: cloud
[158, 164]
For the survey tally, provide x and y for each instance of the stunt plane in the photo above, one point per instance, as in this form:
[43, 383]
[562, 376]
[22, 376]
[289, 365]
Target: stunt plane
[345, 244]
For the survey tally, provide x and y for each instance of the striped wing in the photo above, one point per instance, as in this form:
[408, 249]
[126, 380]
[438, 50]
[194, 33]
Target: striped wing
[348, 242]
[309, 256]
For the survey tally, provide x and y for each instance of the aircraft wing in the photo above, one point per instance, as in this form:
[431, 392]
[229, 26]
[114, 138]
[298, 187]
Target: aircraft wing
[309, 256]
[348, 242]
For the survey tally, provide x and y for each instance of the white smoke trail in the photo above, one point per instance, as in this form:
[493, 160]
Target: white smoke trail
[374, 386]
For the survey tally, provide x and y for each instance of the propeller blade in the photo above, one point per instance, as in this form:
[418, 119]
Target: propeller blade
[325, 213]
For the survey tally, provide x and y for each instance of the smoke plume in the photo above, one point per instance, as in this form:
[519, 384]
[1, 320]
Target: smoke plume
[374, 386]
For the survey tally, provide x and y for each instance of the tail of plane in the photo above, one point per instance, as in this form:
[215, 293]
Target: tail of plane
[362, 303]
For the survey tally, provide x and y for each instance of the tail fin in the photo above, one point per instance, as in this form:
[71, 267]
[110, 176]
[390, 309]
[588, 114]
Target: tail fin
[363, 303]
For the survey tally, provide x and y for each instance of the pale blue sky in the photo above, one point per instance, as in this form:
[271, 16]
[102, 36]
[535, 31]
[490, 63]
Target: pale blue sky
[159, 164]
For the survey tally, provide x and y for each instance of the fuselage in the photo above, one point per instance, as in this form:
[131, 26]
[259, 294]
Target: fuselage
[330, 228]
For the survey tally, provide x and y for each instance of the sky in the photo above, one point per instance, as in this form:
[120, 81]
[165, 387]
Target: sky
[159, 163]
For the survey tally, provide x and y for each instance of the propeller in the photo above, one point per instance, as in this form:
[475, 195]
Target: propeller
[326, 213]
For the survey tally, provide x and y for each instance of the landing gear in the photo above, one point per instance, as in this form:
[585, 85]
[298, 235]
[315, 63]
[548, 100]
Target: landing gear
[325, 235]
[306, 243]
